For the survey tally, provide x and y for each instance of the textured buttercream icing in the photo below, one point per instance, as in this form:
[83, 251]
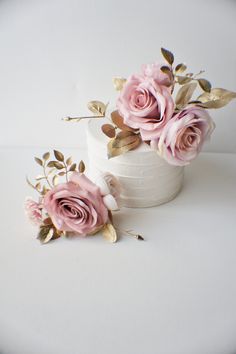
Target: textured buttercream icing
[146, 179]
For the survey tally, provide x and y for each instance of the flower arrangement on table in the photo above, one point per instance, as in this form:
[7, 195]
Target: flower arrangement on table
[147, 112]
[77, 206]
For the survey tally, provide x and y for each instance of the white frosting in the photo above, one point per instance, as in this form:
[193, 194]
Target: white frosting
[146, 179]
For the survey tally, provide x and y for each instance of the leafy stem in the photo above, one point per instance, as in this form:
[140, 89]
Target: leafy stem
[45, 175]
[66, 170]
[77, 119]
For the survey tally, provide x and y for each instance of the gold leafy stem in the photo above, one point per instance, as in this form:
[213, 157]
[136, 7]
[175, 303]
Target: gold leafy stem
[97, 107]
[52, 170]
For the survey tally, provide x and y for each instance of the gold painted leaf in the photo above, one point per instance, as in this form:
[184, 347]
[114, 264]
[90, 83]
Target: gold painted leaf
[59, 155]
[61, 173]
[217, 98]
[124, 138]
[49, 236]
[167, 55]
[180, 68]
[97, 107]
[182, 80]
[69, 161]
[47, 232]
[45, 190]
[81, 166]
[39, 161]
[55, 180]
[205, 85]
[38, 186]
[46, 156]
[166, 70]
[58, 165]
[51, 164]
[118, 120]
[118, 146]
[118, 83]
[109, 233]
[109, 130]
[72, 167]
[184, 94]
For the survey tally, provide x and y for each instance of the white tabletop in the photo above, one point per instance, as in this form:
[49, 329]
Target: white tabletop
[173, 293]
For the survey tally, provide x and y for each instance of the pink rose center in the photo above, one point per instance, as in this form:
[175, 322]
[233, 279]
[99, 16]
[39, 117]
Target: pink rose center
[74, 208]
[142, 99]
[188, 138]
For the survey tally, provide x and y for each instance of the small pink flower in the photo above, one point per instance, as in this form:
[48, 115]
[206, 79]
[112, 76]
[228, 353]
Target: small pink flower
[33, 211]
[145, 105]
[183, 136]
[76, 206]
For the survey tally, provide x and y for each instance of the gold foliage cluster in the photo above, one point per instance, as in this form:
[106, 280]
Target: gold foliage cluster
[52, 170]
[122, 137]
[210, 98]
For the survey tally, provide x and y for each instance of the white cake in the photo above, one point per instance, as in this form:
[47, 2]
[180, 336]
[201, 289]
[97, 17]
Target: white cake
[146, 179]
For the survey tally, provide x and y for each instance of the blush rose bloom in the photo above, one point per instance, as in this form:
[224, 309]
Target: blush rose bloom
[145, 105]
[154, 71]
[182, 138]
[76, 206]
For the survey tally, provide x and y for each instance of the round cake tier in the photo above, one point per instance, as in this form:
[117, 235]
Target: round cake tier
[146, 179]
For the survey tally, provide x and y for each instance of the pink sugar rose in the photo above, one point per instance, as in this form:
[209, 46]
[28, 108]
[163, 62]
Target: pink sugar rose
[33, 211]
[183, 136]
[76, 206]
[154, 71]
[145, 105]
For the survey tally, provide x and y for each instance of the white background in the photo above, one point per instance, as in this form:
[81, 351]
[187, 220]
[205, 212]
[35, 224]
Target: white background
[174, 293]
[57, 55]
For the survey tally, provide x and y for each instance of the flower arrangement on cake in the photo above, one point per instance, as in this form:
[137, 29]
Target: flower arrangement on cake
[76, 206]
[159, 126]
[147, 111]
